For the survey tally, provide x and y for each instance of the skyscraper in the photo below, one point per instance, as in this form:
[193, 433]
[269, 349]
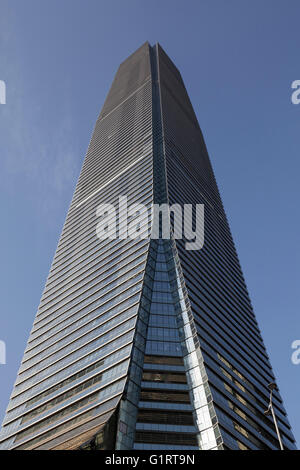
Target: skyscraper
[142, 343]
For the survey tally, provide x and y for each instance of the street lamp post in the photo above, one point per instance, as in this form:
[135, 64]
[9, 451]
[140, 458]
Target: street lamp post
[270, 411]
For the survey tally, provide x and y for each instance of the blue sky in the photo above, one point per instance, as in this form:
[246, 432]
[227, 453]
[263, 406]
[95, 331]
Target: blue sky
[238, 59]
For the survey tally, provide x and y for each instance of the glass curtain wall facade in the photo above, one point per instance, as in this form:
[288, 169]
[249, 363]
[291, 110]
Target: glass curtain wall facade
[140, 343]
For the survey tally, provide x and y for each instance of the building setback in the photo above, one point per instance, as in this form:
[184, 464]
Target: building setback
[141, 343]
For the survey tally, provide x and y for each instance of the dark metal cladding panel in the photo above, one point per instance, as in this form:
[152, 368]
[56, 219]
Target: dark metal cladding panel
[131, 75]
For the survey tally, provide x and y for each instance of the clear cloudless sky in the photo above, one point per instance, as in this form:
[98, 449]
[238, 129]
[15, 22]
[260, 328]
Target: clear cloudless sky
[238, 59]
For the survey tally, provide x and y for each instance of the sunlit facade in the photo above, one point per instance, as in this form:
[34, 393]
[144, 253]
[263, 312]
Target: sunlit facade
[143, 344]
